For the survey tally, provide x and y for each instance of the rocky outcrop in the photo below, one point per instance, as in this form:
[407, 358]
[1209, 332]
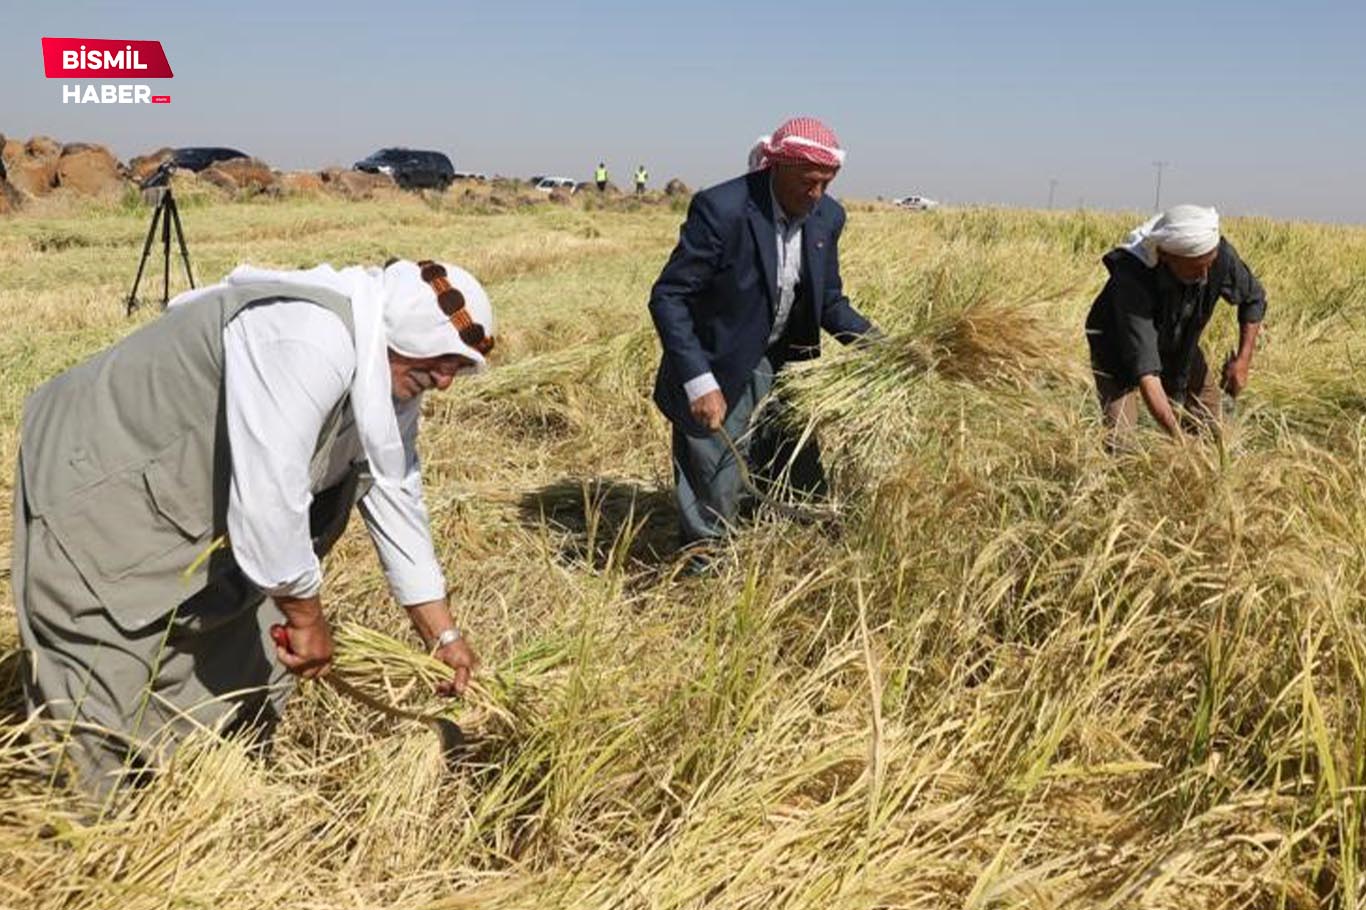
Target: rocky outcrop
[31, 167]
[356, 184]
[9, 197]
[41, 165]
[140, 167]
[90, 170]
[301, 183]
[251, 174]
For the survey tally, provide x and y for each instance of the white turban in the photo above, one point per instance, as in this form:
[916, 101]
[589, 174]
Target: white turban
[417, 328]
[1182, 230]
[393, 307]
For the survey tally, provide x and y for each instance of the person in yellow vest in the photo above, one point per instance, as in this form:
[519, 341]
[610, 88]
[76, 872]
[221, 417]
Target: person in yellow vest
[642, 175]
[600, 175]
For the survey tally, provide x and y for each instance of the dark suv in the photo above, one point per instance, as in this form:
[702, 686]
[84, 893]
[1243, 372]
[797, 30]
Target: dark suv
[411, 168]
[196, 158]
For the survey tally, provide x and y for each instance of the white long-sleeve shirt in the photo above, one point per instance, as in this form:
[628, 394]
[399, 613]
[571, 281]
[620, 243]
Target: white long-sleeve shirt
[286, 365]
[788, 231]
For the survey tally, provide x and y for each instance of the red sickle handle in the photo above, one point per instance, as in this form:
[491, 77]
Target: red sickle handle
[280, 636]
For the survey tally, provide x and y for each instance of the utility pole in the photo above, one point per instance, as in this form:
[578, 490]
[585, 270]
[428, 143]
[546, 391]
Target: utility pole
[1157, 198]
[1052, 185]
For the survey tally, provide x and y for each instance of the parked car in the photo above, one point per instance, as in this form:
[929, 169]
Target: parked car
[916, 203]
[197, 157]
[470, 175]
[411, 169]
[548, 184]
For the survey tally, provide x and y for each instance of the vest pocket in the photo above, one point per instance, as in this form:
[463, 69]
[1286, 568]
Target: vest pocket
[133, 534]
[178, 502]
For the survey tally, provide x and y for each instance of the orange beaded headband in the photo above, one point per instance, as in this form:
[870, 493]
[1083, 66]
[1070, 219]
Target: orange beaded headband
[452, 303]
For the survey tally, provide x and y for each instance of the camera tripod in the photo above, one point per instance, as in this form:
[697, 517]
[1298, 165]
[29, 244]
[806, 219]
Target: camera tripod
[168, 215]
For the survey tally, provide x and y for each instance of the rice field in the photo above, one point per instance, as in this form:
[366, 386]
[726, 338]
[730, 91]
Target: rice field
[1017, 672]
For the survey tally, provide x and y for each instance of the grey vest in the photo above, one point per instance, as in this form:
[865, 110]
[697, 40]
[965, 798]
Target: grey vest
[125, 457]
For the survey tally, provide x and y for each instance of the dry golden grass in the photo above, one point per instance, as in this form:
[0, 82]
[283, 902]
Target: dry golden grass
[1019, 674]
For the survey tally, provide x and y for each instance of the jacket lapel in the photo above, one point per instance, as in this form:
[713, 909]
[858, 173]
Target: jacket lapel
[765, 235]
[814, 243]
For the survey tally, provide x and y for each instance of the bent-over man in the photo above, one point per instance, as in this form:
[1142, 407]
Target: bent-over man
[753, 280]
[244, 424]
[1144, 328]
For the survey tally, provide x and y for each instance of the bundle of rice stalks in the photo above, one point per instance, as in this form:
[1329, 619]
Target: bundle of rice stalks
[873, 397]
[393, 673]
[615, 358]
[1003, 344]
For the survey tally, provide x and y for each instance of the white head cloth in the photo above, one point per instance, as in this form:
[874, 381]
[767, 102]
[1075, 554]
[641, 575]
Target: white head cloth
[1182, 230]
[390, 308]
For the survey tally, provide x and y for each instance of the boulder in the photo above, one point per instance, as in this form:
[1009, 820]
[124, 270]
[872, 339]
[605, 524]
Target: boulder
[9, 197]
[44, 147]
[143, 166]
[218, 177]
[89, 169]
[360, 184]
[301, 183]
[676, 187]
[31, 167]
[246, 173]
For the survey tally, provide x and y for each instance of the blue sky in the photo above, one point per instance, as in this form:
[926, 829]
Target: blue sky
[1259, 107]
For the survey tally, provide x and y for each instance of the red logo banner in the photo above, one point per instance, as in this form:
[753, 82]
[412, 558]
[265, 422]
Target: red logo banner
[104, 58]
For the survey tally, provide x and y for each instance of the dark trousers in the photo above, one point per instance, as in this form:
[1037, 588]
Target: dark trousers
[1200, 401]
[710, 490]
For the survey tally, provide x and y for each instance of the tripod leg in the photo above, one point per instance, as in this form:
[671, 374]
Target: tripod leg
[180, 237]
[142, 263]
[165, 258]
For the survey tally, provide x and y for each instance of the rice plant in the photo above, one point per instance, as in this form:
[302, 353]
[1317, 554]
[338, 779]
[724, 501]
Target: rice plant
[1019, 672]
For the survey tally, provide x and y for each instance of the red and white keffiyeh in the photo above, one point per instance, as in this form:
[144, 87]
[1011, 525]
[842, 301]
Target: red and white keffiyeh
[801, 140]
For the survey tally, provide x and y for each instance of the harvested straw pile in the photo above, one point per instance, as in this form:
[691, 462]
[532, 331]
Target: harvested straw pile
[1022, 674]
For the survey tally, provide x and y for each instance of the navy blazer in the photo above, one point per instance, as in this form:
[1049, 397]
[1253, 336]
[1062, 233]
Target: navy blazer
[714, 301]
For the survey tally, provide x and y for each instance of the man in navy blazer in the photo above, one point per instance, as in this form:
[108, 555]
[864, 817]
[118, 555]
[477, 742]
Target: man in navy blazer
[753, 280]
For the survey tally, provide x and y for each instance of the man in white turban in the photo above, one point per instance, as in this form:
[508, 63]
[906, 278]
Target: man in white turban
[1144, 328]
[176, 492]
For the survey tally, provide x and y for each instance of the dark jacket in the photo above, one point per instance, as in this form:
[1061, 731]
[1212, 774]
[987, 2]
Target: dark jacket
[713, 303]
[1146, 322]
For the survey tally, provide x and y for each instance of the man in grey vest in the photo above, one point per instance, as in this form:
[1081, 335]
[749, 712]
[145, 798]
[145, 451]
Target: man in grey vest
[176, 491]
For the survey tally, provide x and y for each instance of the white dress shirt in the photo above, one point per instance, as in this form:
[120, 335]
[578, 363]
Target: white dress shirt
[286, 365]
[788, 232]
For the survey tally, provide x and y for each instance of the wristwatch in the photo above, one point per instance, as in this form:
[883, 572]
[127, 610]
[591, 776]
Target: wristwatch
[449, 637]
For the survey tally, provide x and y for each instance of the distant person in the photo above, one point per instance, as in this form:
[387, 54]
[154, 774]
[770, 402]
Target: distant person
[642, 176]
[600, 177]
[1144, 328]
[177, 490]
[754, 278]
